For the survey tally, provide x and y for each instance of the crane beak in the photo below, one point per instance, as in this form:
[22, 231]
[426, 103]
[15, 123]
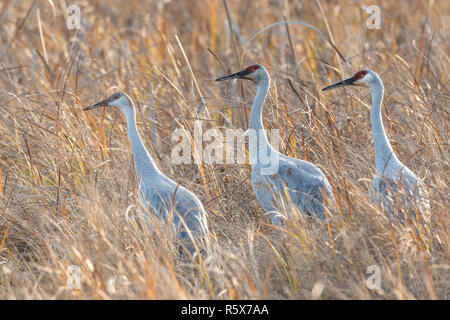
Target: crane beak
[237, 75]
[346, 82]
[103, 103]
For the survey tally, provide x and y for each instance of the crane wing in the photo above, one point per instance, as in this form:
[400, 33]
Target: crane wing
[301, 185]
[168, 199]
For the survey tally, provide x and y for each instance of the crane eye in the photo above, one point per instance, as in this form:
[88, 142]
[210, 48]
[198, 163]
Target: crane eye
[251, 69]
[360, 74]
[115, 96]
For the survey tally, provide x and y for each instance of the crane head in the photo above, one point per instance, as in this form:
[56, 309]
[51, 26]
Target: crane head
[361, 78]
[117, 99]
[252, 73]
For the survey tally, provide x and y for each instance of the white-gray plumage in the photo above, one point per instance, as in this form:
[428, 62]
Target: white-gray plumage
[167, 200]
[273, 174]
[394, 182]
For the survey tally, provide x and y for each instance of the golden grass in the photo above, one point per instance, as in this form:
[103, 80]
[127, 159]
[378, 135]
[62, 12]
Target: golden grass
[67, 184]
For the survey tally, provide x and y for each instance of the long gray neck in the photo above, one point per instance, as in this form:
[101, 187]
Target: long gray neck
[259, 146]
[143, 162]
[384, 154]
[262, 89]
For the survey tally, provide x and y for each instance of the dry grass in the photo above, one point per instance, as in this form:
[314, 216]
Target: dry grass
[67, 184]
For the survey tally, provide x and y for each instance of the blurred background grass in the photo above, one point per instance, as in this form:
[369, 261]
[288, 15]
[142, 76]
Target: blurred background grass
[67, 184]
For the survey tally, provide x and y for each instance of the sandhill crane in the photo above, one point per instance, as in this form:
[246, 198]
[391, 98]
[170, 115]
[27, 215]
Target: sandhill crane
[304, 182]
[167, 199]
[392, 175]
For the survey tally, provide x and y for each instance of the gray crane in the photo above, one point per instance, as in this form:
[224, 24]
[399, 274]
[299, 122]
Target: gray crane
[392, 176]
[299, 182]
[169, 201]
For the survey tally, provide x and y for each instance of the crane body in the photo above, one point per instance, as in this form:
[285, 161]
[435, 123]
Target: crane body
[297, 181]
[394, 185]
[166, 199]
